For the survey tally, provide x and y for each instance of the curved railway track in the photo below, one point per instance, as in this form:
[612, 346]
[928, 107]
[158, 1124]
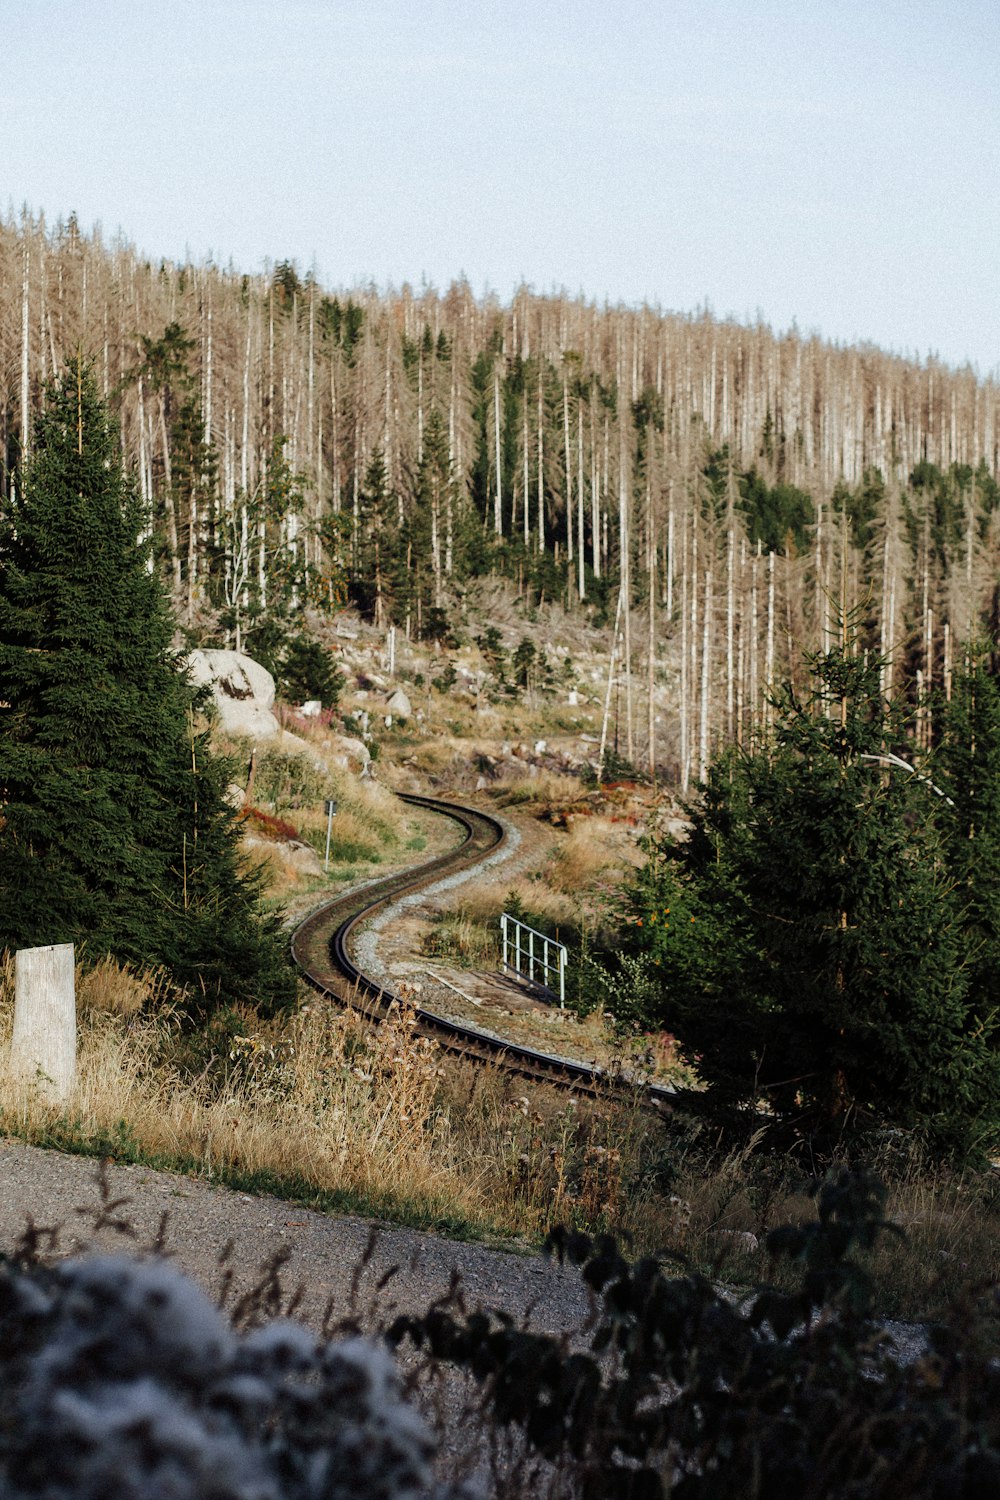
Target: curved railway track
[321, 948]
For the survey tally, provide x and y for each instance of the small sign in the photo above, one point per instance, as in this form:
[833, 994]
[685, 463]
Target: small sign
[330, 806]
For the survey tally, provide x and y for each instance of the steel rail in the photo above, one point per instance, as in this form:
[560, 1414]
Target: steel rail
[321, 950]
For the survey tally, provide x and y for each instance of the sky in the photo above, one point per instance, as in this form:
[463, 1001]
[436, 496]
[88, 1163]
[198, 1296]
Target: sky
[825, 164]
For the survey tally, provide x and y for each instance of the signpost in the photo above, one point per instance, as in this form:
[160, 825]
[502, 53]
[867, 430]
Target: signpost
[331, 808]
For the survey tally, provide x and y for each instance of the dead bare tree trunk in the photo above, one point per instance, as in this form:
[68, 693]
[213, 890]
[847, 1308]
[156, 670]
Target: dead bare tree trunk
[706, 644]
[624, 543]
[25, 347]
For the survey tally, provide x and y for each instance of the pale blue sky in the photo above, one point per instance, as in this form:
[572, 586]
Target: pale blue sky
[831, 162]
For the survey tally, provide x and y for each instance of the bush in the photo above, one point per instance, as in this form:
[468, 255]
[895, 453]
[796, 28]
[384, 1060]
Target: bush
[121, 1378]
[307, 670]
[684, 1391]
[289, 781]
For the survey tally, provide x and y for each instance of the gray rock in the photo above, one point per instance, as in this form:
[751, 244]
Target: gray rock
[399, 705]
[350, 754]
[303, 857]
[242, 689]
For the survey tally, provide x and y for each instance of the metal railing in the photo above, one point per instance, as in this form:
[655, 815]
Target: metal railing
[525, 950]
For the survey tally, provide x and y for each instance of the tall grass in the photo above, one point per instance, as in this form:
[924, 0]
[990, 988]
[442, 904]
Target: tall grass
[328, 1109]
[322, 1101]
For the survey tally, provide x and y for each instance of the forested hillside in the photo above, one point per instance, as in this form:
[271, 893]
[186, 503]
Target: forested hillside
[296, 445]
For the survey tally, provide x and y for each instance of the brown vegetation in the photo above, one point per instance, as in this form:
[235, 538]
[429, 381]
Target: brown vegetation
[327, 1109]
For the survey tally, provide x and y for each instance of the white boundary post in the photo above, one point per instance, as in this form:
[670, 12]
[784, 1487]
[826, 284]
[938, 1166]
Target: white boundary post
[43, 1046]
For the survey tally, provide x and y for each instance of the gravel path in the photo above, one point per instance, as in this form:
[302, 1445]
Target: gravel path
[323, 1251]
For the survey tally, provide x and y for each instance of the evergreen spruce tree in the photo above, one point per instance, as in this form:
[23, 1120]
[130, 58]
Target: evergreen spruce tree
[807, 939]
[967, 768]
[375, 559]
[114, 832]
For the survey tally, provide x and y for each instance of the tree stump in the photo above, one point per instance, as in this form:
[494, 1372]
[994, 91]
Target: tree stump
[43, 1047]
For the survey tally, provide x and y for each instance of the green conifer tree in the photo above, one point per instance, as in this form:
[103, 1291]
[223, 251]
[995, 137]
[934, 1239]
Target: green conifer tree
[967, 769]
[114, 832]
[808, 943]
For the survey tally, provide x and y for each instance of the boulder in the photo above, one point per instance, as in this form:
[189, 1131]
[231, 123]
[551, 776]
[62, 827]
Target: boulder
[293, 853]
[243, 691]
[350, 754]
[399, 705]
[302, 857]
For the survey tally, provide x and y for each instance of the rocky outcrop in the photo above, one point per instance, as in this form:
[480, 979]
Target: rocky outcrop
[294, 853]
[399, 705]
[243, 691]
[349, 754]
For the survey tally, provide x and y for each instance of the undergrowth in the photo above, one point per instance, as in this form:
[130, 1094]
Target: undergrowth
[325, 1109]
[121, 1376]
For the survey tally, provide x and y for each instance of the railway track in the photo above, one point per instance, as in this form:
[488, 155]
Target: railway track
[321, 948]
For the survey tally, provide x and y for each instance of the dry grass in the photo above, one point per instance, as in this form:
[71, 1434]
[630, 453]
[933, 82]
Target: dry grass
[322, 1100]
[469, 932]
[548, 788]
[117, 989]
[326, 1104]
[295, 776]
[281, 878]
[457, 937]
[583, 856]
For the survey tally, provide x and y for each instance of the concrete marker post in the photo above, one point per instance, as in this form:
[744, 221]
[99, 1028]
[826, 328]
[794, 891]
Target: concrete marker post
[43, 1046]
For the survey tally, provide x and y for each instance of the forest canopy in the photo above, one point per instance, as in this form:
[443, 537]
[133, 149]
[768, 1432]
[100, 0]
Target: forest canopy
[297, 446]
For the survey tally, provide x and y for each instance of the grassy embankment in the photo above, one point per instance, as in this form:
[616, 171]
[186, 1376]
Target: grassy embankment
[326, 1110]
[329, 1112]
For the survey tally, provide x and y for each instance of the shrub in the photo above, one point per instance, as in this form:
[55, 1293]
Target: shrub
[684, 1391]
[307, 670]
[289, 781]
[121, 1378]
